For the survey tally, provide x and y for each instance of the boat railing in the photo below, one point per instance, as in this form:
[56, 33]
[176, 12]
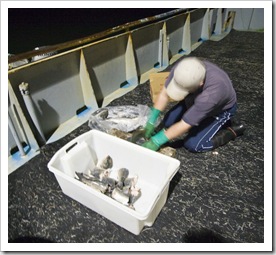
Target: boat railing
[51, 95]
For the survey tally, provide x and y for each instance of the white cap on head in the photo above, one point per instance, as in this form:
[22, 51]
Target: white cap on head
[188, 75]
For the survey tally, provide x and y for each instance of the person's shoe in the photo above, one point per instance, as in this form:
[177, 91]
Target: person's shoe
[224, 136]
[238, 129]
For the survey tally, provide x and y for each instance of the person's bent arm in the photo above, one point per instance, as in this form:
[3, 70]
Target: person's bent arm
[164, 136]
[177, 129]
[162, 100]
[159, 106]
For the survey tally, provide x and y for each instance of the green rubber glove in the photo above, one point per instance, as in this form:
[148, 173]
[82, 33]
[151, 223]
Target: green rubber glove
[149, 128]
[156, 141]
[151, 145]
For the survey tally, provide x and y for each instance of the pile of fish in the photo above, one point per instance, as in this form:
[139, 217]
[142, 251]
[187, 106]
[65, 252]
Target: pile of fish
[123, 188]
[126, 118]
[125, 122]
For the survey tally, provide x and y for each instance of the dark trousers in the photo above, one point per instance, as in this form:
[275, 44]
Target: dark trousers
[199, 138]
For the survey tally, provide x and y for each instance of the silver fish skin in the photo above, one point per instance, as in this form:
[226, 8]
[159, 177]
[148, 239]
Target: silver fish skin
[124, 118]
[126, 190]
[122, 175]
[131, 181]
[99, 173]
[93, 183]
[82, 176]
[101, 113]
[119, 196]
[124, 121]
[78, 176]
[99, 186]
[135, 194]
[126, 112]
[106, 163]
[109, 181]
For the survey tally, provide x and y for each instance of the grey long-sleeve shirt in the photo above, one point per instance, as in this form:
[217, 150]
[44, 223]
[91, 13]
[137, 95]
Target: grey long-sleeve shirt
[216, 95]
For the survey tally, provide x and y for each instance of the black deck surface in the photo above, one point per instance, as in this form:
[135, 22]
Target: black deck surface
[212, 198]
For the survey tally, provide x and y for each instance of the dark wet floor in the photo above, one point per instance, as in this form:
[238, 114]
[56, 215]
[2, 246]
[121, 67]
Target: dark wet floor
[214, 197]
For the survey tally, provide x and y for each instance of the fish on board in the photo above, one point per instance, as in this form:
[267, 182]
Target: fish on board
[123, 189]
[106, 163]
[111, 182]
[135, 194]
[131, 181]
[126, 118]
[122, 175]
[101, 113]
[99, 173]
[92, 182]
[120, 196]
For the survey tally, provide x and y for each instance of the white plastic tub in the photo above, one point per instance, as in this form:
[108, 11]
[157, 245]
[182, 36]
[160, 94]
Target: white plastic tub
[154, 171]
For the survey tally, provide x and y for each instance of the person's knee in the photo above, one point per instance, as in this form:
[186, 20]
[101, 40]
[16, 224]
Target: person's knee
[194, 146]
[190, 145]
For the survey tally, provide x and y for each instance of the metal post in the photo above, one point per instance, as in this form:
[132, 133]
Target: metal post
[15, 136]
[160, 50]
[24, 88]
[218, 27]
